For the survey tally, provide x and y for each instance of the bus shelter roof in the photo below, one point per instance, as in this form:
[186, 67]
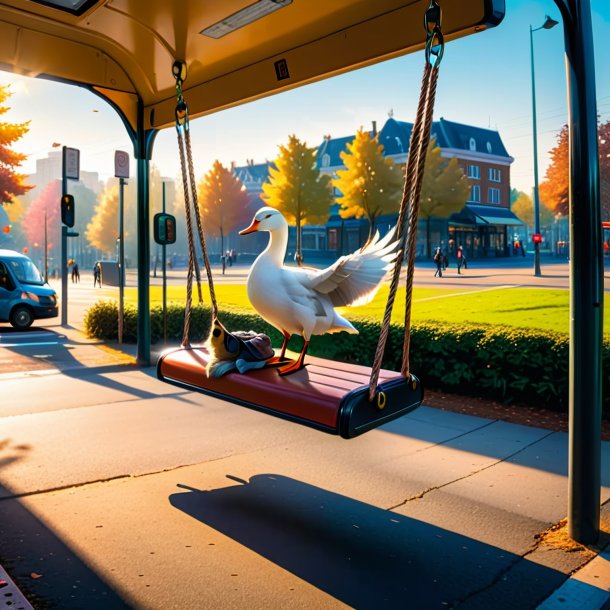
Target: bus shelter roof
[235, 51]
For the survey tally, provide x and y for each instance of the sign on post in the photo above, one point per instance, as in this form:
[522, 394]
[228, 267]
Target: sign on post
[71, 163]
[121, 164]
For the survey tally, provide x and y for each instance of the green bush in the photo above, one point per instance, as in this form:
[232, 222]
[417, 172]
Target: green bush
[501, 363]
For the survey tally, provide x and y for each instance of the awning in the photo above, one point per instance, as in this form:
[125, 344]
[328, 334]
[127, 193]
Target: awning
[494, 216]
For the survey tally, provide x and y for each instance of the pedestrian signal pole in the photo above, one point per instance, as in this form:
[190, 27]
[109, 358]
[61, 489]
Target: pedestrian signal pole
[121, 171]
[70, 170]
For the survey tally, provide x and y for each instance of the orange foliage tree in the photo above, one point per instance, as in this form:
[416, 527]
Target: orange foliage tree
[223, 202]
[554, 189]
[11, 183]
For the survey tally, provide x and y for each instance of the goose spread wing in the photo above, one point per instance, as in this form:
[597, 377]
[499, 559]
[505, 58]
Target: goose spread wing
[354, 279]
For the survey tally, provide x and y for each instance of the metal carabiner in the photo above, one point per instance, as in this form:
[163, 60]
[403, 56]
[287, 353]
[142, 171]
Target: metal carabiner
[182, 111]
[435, 41]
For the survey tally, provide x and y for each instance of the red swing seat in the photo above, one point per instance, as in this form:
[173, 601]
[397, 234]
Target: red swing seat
[326, 395]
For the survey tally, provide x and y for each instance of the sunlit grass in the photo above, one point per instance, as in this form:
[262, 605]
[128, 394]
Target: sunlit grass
[541, 308]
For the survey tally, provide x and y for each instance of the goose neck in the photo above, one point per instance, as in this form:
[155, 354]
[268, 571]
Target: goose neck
[278, 242]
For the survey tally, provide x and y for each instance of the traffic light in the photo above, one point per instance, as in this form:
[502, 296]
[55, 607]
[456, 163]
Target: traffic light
[537, 238]
[67, 210]
[164, 228]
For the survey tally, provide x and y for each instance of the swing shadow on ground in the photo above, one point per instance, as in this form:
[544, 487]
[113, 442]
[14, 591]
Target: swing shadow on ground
[362, 555]
[50, 573]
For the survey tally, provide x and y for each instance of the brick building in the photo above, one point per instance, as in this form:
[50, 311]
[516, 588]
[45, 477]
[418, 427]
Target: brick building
[484, 227]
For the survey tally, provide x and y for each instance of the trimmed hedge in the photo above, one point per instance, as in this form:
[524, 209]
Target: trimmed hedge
[507, 364]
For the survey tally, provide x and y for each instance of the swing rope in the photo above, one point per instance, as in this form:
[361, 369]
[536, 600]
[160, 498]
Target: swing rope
[191, 205]
[409, 206]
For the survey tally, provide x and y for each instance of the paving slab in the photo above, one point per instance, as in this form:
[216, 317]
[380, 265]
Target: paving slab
[222, 507]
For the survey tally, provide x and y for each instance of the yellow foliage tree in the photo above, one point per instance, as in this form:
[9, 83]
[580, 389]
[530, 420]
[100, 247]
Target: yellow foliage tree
[297, 189]
[445, 188]
[15, 209]
[523, 208]
[102, 231]
[370, 184]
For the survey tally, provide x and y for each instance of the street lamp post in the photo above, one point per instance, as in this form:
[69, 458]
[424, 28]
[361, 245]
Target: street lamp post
[547, 25]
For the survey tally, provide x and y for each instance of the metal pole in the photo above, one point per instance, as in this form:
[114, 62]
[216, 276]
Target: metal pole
[64, 246]
[586, 276]
[164, 279]
[535, 139]
[46, 250]
[121, 259]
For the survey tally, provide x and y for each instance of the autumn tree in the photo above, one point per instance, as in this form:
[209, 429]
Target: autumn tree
[223, 202]
[554, 189]
[6, 230]
[45, 210]
[523, 208]
[11, 183]
[297, 189]
[103, 230]
[445, 188]
[370, 185]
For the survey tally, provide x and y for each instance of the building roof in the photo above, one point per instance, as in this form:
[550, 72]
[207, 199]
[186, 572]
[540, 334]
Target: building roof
[396, 135]
[333, 147]
[251, 173]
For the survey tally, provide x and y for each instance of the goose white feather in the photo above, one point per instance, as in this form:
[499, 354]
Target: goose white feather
[302, 301]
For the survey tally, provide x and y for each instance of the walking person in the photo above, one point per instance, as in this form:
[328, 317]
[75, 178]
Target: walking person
[75, 273]
[461, 259]
[97, 275]
[438, 259]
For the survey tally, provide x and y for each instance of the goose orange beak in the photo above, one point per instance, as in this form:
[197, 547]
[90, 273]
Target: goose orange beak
[252, 228]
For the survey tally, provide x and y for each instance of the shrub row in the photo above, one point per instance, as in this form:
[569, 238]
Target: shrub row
[501, 363]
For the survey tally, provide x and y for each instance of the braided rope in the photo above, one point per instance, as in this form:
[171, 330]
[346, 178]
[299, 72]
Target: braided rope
[191, 245]
[412, 170]
[414, 215]
[204, 250]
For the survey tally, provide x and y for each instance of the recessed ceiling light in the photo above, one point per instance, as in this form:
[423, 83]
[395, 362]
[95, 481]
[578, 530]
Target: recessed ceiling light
[247, 15]
[76, 7]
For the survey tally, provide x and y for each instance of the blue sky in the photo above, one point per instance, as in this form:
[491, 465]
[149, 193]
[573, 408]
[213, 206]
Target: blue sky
[484, 81]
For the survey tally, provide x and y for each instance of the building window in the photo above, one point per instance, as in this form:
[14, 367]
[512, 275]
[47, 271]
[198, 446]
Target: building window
[309, 241]
[325, 160]
[475, 193]
[495, 175]
[333, 239]
[489, 147]
[473, 144]
[493, 195]
[474, 171]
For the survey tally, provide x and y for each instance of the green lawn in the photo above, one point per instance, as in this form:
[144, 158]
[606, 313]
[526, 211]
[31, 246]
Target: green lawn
[546, 309]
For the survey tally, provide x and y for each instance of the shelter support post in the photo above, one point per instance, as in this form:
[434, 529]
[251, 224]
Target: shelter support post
[586, 276]
[143, 145]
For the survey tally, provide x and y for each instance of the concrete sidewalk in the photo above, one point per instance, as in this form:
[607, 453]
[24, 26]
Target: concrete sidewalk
[119, 491]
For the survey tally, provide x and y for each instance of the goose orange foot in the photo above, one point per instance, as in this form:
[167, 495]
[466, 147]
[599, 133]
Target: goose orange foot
[296, 365]
[278, 361]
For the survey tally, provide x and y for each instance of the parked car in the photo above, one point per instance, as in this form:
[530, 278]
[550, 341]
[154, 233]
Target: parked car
[24, 295]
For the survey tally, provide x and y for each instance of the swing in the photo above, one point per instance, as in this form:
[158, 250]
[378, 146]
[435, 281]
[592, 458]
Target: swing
[333, 397]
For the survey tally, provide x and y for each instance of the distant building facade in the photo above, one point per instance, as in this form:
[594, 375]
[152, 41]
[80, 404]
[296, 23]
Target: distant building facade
[484, 227]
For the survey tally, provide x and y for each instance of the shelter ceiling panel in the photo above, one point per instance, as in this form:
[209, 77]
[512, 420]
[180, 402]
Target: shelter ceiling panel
[130, 45]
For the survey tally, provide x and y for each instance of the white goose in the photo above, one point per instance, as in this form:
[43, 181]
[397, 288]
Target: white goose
[302, 301]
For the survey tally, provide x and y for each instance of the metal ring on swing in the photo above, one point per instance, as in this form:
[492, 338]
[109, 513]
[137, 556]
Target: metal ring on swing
[382, 399]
